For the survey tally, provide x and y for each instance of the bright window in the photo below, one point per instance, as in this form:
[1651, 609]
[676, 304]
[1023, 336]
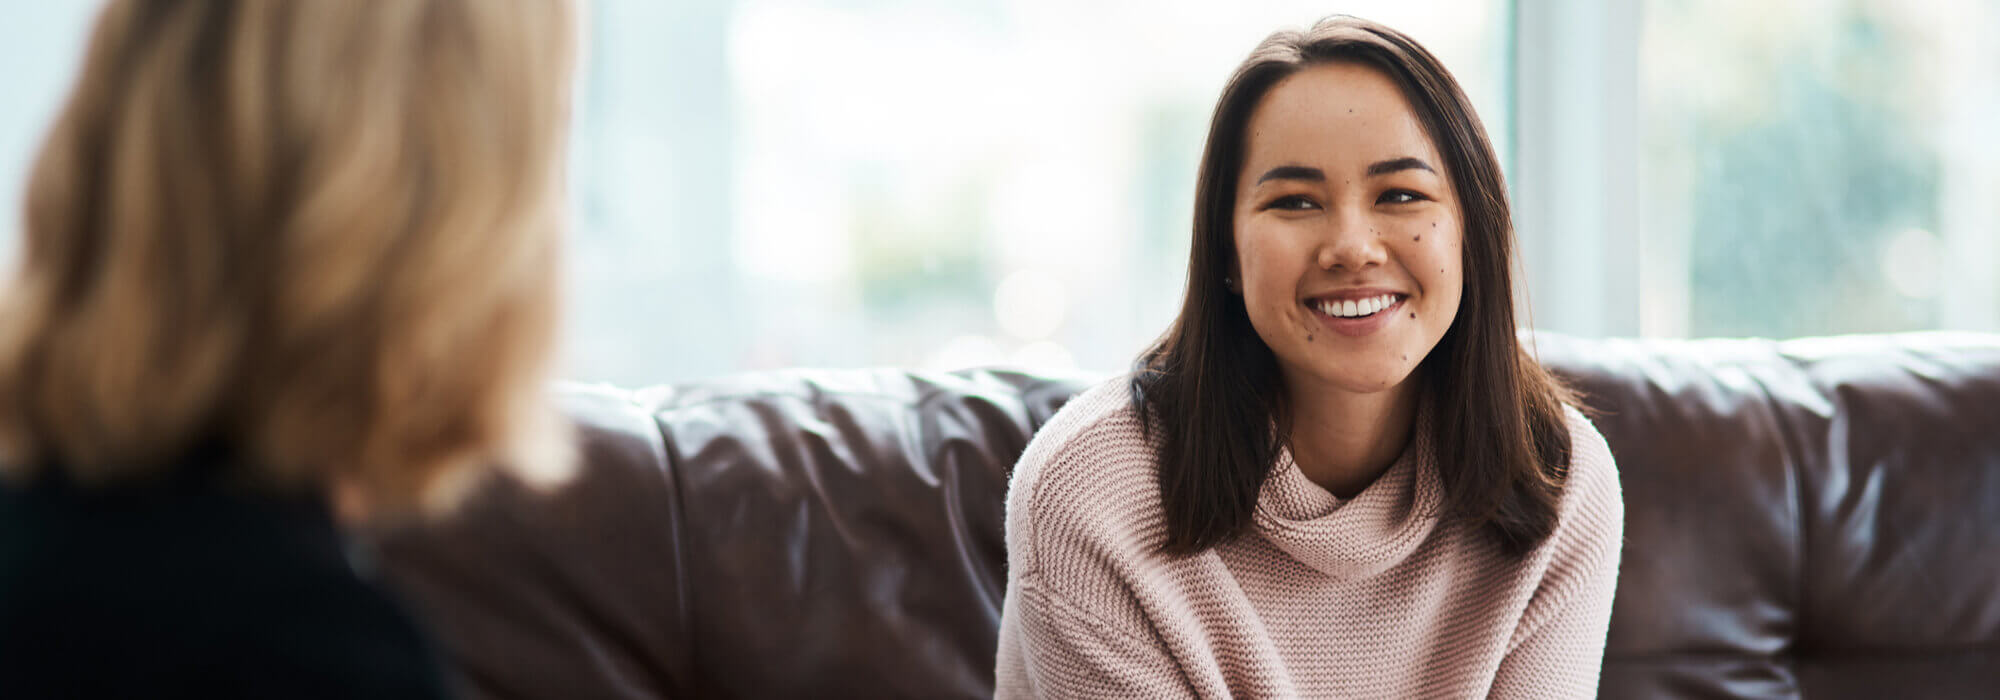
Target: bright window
[829, 183]
[1814, 168]
[768, 183]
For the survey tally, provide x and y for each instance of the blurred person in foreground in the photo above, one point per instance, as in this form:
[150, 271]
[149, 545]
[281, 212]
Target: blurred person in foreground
[289, 267]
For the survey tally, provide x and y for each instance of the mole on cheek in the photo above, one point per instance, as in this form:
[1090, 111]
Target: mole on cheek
[1413, 314]
[1420, 236]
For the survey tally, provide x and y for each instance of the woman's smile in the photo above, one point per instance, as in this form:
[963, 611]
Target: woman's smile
[1356, 312]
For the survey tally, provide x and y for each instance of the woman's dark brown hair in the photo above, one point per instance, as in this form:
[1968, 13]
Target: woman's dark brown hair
[1209, 390]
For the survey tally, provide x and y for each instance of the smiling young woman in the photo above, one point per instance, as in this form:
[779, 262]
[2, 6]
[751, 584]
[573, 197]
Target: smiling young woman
[1338, 473]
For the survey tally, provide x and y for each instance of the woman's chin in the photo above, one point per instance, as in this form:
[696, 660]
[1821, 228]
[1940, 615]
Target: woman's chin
[1352, 379]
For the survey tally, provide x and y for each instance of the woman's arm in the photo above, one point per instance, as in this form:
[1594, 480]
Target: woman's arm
[1053, 648]
[1563, 657]
[1558, 651]
[1081, 538]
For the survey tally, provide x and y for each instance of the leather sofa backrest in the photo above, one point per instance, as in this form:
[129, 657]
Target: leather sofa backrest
[1812, 518]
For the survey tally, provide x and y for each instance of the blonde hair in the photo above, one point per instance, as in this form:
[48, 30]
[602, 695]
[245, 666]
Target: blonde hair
[322, 234]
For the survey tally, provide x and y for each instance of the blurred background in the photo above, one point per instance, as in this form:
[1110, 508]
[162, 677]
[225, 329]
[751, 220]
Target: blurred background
[772, 183]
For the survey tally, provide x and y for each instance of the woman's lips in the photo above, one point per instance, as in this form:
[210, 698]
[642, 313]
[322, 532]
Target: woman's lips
[1371, 313]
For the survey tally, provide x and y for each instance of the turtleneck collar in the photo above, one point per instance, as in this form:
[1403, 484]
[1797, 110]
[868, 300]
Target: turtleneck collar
[1362, 536]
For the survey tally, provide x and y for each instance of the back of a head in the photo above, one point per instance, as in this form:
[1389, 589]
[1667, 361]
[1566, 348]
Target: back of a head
[322, 234]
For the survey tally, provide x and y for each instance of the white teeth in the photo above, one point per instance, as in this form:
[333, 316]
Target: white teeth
[1356, 309]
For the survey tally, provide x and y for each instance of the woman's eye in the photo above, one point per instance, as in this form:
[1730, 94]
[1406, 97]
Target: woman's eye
[1400, 197]
[1292, 203]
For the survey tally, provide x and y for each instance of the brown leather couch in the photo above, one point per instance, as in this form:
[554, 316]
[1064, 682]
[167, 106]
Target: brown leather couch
[1813, 518]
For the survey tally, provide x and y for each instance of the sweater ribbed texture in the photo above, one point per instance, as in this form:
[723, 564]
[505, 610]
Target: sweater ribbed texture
[1371, 597]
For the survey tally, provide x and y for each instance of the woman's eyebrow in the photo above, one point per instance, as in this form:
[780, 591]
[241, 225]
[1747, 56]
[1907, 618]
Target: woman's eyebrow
[1390, 166]
[1293, 172]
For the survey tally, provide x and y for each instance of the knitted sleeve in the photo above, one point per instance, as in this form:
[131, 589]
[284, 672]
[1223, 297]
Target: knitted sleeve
[1558, 651]
[1082, 520]
[1563, 657]
[1062, 650]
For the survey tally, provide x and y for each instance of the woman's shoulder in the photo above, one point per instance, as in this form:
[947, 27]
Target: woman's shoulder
[1592, 472]
[1099, 420]
[1087, 478]
[1591, 512]
[222, 570]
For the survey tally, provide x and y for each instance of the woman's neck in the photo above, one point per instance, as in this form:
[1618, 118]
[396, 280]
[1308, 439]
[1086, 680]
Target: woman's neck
[1342, 440]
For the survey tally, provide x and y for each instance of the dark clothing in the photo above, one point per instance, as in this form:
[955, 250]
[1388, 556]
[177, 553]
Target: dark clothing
[189, 589]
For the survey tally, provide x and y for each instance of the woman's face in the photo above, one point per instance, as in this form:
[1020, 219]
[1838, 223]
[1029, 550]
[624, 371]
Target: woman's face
[1347, 231]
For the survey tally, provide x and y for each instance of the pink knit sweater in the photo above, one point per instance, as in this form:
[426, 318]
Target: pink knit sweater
[1372, 597]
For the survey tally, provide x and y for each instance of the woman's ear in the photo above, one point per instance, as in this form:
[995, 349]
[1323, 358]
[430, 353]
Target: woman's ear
[1234, 280]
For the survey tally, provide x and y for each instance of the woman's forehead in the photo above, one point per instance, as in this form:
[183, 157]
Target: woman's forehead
[1336, 116]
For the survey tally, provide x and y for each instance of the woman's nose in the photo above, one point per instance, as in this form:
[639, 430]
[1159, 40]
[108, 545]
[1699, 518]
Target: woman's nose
[1351, 243]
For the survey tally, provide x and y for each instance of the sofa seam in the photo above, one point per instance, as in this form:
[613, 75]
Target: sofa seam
[1795, 467]
[1795, 455]
[1791, 657]
[685, 601]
